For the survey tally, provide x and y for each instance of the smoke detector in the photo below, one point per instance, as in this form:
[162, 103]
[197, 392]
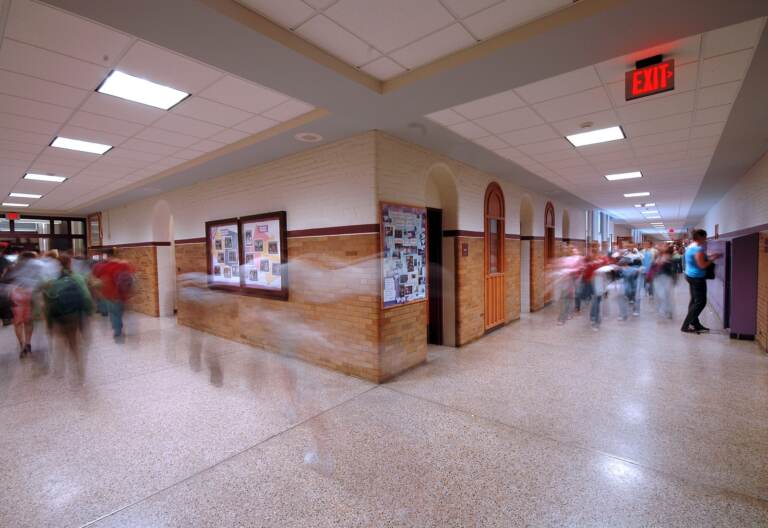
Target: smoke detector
[308, 137]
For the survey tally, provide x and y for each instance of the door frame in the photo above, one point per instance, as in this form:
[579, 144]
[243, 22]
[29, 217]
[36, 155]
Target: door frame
[493, 189]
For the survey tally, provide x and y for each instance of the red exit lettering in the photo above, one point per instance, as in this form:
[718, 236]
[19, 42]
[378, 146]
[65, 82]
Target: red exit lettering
[650, 80]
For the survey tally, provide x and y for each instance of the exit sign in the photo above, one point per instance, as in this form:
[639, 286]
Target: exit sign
[649, 80]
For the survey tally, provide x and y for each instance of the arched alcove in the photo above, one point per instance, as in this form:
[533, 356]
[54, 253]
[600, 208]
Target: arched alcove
[526, 232]
[442, 201]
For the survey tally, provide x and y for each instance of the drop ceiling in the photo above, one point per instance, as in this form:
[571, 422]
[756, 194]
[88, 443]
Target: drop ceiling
[52, 61]
[671, 137]
[388, 38]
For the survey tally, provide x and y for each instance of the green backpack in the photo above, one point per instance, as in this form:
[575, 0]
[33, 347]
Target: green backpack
[64, 296]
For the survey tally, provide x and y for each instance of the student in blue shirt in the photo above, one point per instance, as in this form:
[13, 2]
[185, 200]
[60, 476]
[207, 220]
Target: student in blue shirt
[696, 264]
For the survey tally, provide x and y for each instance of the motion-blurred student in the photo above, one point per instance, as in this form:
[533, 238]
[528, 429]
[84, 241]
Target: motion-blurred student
[696, 264]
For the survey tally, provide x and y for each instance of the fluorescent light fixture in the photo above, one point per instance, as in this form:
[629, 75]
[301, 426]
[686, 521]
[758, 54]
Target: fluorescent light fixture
[638, 205]
[141, 90]
[44, 177]
[25, 195]
[649, 212]
[82, 146]
[652, 204]
[596, 136]
[623, 176]
[637, 194]
[10, 204]
[652, 217]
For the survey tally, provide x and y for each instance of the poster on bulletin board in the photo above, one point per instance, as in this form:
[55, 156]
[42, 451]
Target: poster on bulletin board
[404, 254]
[264, 252]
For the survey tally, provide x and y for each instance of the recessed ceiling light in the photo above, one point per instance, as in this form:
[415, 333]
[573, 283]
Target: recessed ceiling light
[308, 137]
[9, 204]
[82, 146]
[649, 212]
[638, 205]
[652, 204]
[623, 176]
[596, 136]
[141, 90]
[652, 217]
[25, 195]
[635, 195]
[44, 177]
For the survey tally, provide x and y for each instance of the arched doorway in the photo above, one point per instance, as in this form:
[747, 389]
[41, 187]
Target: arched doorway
[549, 242]
[441, 198]
[494, 256]
[526, 232]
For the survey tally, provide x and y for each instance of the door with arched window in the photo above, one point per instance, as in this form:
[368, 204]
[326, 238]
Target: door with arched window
[549, 243]
[494, 256]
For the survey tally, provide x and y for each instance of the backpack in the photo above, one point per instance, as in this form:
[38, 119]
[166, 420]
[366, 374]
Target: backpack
[124, 281]
[64, 297]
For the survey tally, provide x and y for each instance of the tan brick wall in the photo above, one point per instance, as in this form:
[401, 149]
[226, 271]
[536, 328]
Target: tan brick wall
[538, 275]
[403, 338]
[470, 296]
[331, 317]
[762, 292]
[145, 298]
[512, 279]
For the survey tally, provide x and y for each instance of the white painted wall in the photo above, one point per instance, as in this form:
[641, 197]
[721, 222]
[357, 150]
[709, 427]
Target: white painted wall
[525, 276]
[166, 280]
[745, 205]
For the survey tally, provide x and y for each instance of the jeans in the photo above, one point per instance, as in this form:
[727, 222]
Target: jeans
[698, 288]
[594, 311]
[116, 309]
[663, 288]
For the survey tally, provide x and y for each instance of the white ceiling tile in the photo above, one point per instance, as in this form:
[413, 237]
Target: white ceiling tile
[662, 107]
[166, 137]
[288, 110]
[529, 135]
[464, 8]
[26, 107]
[717, 95]
[725, 68]
[121, 162]
[604, 119]
[715, 114]
[601, 148]
[570, 162]
[207, 145]
[320, 4]
[662, 137]
[74, 157]
[707, 142]
[511, 153]
[560, 85]
[16, 155]
[117, 108]
[29, 60]
[187, 125]
[684, 51]
[189, 154]
[248, 96]
[149, 146]
[391, 24]
[211, 112]
[469, 130]
[135, 155]
[658, 125]
[493, 104]
[337, 41]
[581, 103]
[109, 170]
[256, 124]
[510, 14]
[666, 148]
[287, 13]
[21, 147]
[383, 68]
[62, 32]
[167, 68]
[45, 91]
[28, 124]
[86, 134]
[434, 46]
[510, 120]
[229, 135]
[713, 129]
[45, 167]
[491, 143]
[732, 38]
[20, 136]
[446, 117]
[556, 155]
[543, 147]
[105, 124]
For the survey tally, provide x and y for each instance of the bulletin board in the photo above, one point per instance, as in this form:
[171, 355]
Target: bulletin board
[264, 254]
[404, 254]
[223, 253]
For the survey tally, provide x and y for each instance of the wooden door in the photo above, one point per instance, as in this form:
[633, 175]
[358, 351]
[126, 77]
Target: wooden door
[494, 256]
[549, 244]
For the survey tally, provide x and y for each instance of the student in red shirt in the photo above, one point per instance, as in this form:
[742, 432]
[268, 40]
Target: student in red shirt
[116, 277]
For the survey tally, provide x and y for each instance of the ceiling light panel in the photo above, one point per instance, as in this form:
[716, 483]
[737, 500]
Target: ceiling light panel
[11, 204]
[44, 177]
[637, 194]
[82, 146]
[140, 90]
[596, 136]
[649, 212]
[25, 195]
[623, 176]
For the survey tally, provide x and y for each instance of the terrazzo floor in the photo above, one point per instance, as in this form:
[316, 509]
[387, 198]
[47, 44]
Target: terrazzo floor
[534, 425]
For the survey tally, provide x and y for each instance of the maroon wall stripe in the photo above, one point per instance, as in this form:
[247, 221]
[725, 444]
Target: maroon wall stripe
[132, 244]
[338, 230]
[199, 240]
[462, 233]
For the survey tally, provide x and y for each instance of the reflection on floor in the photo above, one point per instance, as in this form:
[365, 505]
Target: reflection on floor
[634, 425]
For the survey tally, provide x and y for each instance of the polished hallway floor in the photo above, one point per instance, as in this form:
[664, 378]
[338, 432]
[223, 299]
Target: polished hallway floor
[534, 425]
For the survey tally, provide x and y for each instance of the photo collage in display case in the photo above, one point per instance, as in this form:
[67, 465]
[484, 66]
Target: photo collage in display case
[262, 254]
[223, 254]
[404, 249]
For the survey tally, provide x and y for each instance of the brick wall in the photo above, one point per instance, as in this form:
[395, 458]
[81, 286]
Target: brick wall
[145, 298]
[538, 275]
[762, 292]
[470, 296]
[512, 279]
[331, 317]
[403, 338]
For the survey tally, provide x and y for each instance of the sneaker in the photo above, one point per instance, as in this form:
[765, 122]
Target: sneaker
[688, 330]
[701, 329]
[595, 327]
[636, 314]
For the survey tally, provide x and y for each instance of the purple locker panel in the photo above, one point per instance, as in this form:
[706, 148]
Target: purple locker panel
[744, 255]
[717, 288]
